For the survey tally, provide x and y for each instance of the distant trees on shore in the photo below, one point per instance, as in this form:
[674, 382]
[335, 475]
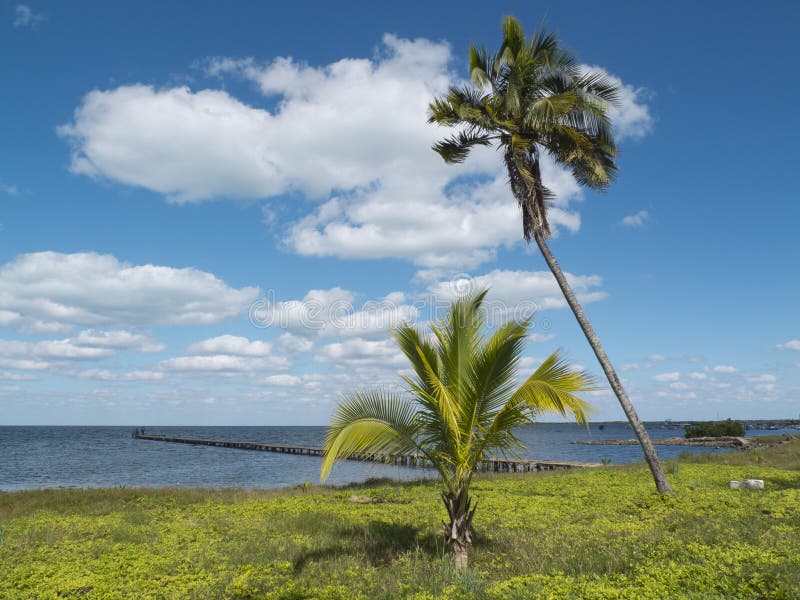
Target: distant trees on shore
[714, 429]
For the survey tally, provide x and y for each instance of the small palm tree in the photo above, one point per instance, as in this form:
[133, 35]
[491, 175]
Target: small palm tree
[459, 407]
[529, 98]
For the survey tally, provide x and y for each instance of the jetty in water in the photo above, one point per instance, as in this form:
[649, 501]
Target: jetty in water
[497, 465]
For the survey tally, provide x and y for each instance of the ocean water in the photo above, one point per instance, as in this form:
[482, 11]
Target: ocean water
[48, 457]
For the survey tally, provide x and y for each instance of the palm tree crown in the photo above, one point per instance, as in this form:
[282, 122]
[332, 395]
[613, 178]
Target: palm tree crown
[460, 405]
[530, 97]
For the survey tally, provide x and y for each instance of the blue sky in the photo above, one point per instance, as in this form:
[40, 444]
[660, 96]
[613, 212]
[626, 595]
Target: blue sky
[213, 213]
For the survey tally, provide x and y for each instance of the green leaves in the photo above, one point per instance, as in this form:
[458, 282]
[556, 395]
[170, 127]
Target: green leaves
[374, 420]
[552, 388]
[532, 95]
[455, 149]
[463, 399]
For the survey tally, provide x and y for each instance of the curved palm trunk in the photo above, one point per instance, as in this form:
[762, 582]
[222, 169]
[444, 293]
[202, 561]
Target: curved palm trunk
[458, 532]
[647, 446]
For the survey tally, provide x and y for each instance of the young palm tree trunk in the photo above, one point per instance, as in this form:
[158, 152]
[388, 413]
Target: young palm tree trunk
[458, 531]
[647, 446]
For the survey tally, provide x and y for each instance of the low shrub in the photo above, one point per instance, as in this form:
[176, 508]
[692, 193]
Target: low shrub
[715, 429]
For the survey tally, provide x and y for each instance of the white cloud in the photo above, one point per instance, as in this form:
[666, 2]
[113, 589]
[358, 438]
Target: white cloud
[385, 193]
[223, 363]
[665, 377]
[8, 376]
[638, 219]
[24, 364]
[295, 343]
[518, 292]
[117, 340]
[86, 345]
[332, 313]
[643, 366]
[283, 380]
[361, 352]
[410, 216]
[29, 325]
[25, 17]
[107, 375]
[537, 338]
[210, 144]
[764, 378]
[52, 350]
[727, 369]
[698, 376]
[790, 345]
[230, 344]
[95, 289]
[227, 355]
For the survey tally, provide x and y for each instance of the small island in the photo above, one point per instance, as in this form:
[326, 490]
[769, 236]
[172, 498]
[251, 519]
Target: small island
[713, 434]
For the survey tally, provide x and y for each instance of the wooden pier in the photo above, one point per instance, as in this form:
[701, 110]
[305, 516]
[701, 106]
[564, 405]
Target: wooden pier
[497, 465]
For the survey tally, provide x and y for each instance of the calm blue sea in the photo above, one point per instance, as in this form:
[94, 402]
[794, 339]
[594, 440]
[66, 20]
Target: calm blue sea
[45, 457]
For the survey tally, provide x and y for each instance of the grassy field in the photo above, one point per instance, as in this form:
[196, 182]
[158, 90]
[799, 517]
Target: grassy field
[590, 534]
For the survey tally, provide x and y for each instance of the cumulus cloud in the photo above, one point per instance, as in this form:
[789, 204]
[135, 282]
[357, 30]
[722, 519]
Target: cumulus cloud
[294, 343]
[30, 325]
[383, 192]
[332, 313]
[521, 292]
[638, 219]
[227, 355]
[538, 338]
[726, 369]
[96, 289]
[52, 349]
[223, 363]
[86, 345]
[8, 376]
[763, 378]
[23, 364]
[107, 375]
[790, 345]
[361, 352]
[230, 344]
[117, 340]
[283, 380]
[666, 377]
[209, 144]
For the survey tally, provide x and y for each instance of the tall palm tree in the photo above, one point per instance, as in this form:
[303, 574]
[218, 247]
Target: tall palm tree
[459, 406]
[528, 98]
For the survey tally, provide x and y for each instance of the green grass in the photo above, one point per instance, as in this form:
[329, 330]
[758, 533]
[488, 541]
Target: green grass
[587, 534]
[779, 451]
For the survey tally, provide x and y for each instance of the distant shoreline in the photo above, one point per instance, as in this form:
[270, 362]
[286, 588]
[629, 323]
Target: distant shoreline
[712, 442]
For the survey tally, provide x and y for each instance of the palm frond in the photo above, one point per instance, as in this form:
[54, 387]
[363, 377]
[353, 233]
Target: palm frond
[513, 39]
[481, 67]
[552, 388]
[456, 148]
[374, 420]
